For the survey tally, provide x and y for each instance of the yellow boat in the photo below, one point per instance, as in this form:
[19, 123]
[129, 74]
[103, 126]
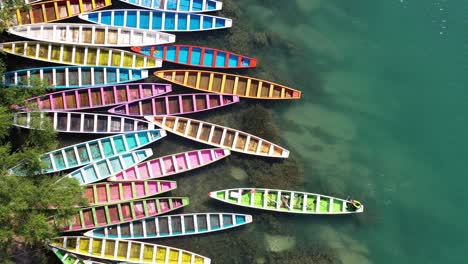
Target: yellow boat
[50, 11]
[126, 251]
[79, 55]
[223, 83]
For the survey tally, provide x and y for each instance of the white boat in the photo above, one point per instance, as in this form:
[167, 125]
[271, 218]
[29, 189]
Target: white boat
[92, 35]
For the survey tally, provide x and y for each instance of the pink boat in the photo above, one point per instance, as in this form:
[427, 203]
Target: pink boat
[94, 97]
[178, 104]
[114, 192]
[171, 164]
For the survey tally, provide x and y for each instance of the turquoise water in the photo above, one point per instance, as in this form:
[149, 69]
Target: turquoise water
[382, 119]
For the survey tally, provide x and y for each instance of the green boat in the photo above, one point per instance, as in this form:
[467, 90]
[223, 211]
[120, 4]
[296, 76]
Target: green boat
[287, 201]
[67, 258]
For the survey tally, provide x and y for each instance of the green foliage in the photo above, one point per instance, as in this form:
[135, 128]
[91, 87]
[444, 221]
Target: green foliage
[7, 13]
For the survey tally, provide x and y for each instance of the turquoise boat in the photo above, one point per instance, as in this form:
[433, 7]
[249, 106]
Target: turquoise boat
[192, 6]
[91, 151]
[103, 169]
[66, 77]
[157, 20]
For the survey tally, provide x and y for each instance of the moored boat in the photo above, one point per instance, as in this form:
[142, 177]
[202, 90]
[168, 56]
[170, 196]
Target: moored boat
[92, 35]
[217, 82]
[171, 164]
[157, 20]
[80, 122]
[115, 192]
[94, 150]
[178, 104]
[94, 97]
[127, 251]
[197, 56]
[103, 169]
[219, 136]
[67, 77]
[122, 212]
[287, 201]
[67, 258]
[79, 55]
[192, 6]
[171, 226]
[50, 11]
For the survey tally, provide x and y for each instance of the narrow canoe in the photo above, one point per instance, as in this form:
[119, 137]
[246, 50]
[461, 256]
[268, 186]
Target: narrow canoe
[123, 212]
[171, 164]
[287, 201]
[171, 226]
[219, 136]
[192, 6]
[79, 122]
[94, 150]
[103, 169]
[157, 20]
[94, 97]
[73, 76]
[115, 192]
[179, 104]
[197, 56]
[79, 55]
[67, 258]
[127, 251]
[92, 35]
[217, 82]
[49, 11]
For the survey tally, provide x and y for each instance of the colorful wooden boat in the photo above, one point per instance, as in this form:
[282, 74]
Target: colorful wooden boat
[92, 35]
[171, 164]
[94, 97]
[217, 82]
[67, 258]
[94, 150]
[123, 212]
[103, 169]
[157, 20]
[287, 201]
[126, 251]
[171, 226]
[219, 136]
[73, 76]
[179, 104]
[50, 11]
[191, 6]
[79, 55]
[197, 56]
[79, 122]
[115, 192]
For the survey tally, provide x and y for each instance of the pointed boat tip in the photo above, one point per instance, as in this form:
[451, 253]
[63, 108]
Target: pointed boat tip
[248, 219]
[219, 6]
[227, 152]
[253, 63]
[228, 23]
[88, 233]
[135, 48]
[163, 133]
[144, 74]
[207, 261]
[285, 154]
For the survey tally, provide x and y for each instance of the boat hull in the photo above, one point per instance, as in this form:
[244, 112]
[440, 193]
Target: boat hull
[286, 201]
[72, 76]
[171, 165]
[92, 35]
[179, 104]
[161, 20]
[190, 6]
[172, 226]
[223, 83]
[218, 136]
[197, 56]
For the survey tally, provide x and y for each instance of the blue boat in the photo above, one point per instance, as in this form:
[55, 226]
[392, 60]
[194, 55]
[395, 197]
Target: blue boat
[63, 77]
[193, 6]
[157, 20]
[171, 226]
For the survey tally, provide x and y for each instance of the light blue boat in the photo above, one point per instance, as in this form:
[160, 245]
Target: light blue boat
[171, 226]
[193, 6]
[157, 20]
[92, 151]
[105, 168]
[64, 77]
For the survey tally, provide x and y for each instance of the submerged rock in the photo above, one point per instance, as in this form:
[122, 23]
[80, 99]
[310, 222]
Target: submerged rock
[279, 243]
[238, 173]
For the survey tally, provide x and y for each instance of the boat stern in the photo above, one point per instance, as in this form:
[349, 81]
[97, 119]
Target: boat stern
[227, 152]
[144, 74]
[248, 219]
[285, 154]
[207, 260]
[219, 6]
[228, 23]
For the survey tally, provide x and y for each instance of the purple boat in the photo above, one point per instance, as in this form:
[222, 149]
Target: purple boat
[178, 104]
[95, 97]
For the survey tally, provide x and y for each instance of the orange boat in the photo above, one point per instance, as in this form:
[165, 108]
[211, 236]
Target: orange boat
[223, 83]
[49, 11]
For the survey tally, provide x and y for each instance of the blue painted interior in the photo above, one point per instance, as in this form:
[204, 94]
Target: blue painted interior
[220, 59]
[207, 22]
[172, 4]
[184, 5]
[194, 22]
[94, 17]
[208, 57]
[233, 60]
[118, 18]
[197, 5]
[183, 54]
[144, 20]
[171, 53]
[240, 219]
[157, 21]
[169, 22]
[182, 21]
[196, 54]
[220, 22]
[131, 19]
[211, 5]
[245, 62]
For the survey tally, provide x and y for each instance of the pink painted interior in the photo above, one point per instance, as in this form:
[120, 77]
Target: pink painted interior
[101, 189]
[219, 153]
[140, 189]
[164, 204]
[153, 187]
[152, 208]
[181, 162]
[114, 214]
[101, 216]
[194, 161]
[206, 155]
[139, 209]
[177, 203]
[127, 191]
[168, 165]
[126, 212]
[131, 173]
